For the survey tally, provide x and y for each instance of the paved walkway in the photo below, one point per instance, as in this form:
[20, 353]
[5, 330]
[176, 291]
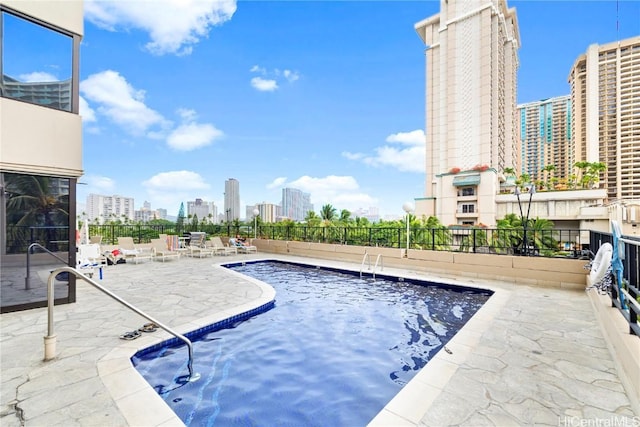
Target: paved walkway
[531, 357]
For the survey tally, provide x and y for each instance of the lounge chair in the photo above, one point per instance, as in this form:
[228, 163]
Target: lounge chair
[221, 248]
[161, 250]
[247, 249]
[131, 251]
[95, 239]
[242, 248]
[197, 246]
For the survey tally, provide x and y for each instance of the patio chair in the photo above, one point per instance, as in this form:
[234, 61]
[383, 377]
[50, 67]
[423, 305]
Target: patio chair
[161, 250]
[89, 257]
[247, 249]
[197, 246]
[221, 248]
[95, 239]
[131, 251]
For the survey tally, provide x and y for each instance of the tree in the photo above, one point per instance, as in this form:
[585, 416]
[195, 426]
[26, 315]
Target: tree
[328, 212]
[312, 219]
[345, 216]
[549, 169]
[180, 220]
[31, 202]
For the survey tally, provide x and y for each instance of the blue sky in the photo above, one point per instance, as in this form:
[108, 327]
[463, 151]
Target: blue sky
[327, 97]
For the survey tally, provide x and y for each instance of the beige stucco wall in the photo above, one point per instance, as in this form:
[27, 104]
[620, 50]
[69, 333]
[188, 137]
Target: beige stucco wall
[39, 140]
[532, 271]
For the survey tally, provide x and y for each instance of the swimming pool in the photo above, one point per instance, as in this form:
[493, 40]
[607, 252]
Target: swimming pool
[332, 350]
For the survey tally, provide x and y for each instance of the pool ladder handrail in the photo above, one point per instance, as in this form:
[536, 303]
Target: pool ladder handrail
[27, 284]
[50, 339]
[367, 257]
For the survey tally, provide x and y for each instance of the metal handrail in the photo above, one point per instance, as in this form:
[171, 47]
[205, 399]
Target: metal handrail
[365, 258]
[27, 284]
[50, 338]
[378, 258]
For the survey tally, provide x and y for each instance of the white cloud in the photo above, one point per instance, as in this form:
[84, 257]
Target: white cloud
[415, 137]
[172, 188]
[264, 85]
[342, 192]
[277, 183]
[270, 82]
[38, 77]
[292, 76]
[98, 184]
[174, 26]
[258, 69]
[191, 135]
[408, 158]
[88, 115]
[120, 101]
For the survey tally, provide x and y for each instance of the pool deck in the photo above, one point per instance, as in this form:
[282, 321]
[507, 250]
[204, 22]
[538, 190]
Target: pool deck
[530, 356]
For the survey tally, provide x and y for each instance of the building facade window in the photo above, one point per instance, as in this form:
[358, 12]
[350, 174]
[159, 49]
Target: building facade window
[467, 191]
[39, 63]
[35, 209]
[468, 208]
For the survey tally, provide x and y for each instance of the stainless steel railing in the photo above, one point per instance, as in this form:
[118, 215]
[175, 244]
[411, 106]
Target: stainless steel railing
[50, 339]
[27, 284]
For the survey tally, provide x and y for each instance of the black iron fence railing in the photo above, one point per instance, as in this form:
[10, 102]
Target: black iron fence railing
[54, 239]
[504, 241]
[630, 277]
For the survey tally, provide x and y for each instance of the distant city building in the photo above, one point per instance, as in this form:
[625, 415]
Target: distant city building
[295, 204]
[203, 210]
[544, 129]
[471, 66]
[103, 209]
[162, 213]
[372, 214]
[269, 212]
[231, 200]
[605, 92]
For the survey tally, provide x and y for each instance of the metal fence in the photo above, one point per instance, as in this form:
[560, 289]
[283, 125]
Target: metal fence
[509, 241]
[478, 240]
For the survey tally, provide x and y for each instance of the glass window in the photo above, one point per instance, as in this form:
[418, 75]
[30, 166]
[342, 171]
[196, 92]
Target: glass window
[35, 210]
[36, 63]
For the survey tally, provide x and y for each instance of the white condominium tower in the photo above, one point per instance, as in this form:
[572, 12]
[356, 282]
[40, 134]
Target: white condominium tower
[544, 129]
[295, 204]
[110, 208]
[605, 91]
[231, 200]
[471, 64]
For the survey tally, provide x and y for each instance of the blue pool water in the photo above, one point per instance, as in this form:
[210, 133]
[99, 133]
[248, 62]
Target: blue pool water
[331, 351]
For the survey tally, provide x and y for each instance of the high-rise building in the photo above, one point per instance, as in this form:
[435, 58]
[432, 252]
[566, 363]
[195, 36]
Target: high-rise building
[544, 129]
[295, 204]
[201, 209]
[231, 199]
[605, 92]
[471, 79]
[109, 208]
[269, 212]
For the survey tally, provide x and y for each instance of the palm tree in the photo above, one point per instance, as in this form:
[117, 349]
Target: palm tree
[345, 216]
[32, 203]
[328, 212]
[582, 166]
[312, 219]
[549, 175]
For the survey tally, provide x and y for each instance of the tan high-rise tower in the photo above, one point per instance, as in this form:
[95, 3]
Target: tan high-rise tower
[605, 91]
[471, 81]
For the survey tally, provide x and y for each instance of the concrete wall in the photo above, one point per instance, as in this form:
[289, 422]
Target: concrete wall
[534, 271]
